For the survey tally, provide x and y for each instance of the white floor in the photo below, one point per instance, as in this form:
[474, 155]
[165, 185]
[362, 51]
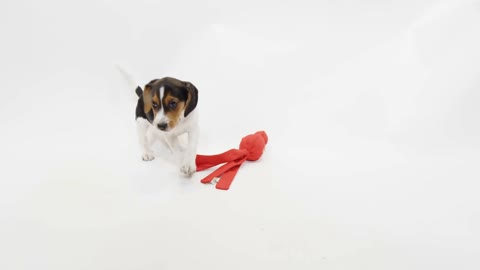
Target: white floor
[372, 111]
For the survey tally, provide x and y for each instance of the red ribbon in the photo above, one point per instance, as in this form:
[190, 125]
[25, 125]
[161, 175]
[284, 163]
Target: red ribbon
[251, 149]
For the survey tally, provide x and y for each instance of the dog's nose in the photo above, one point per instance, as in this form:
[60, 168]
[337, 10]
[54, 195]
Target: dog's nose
[162, 126]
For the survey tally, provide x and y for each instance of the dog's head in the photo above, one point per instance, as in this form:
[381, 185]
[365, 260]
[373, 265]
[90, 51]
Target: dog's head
[168, 101]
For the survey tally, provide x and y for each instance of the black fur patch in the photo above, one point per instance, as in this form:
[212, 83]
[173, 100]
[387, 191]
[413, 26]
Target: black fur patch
[173, 87]
[179, 92]
[139, 113]
[139, 91]
[193, 91]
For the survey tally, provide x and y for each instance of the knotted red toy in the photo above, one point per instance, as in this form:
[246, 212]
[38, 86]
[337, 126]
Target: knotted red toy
[251, 148]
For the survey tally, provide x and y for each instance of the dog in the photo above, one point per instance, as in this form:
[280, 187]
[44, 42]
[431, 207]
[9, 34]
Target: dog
[166, 109]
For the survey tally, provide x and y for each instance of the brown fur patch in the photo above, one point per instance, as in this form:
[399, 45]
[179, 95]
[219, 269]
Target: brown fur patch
[175, 114]
[147, 98]
[156, 100]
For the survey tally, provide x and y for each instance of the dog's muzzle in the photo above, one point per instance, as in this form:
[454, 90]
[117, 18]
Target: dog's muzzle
[162, 126]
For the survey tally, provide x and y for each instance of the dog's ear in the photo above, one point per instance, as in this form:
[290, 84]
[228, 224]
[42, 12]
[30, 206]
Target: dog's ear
[192, 98]
[147, 98]
[139, 91]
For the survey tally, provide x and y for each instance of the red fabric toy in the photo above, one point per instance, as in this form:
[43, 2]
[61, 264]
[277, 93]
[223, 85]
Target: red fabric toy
[251, 148]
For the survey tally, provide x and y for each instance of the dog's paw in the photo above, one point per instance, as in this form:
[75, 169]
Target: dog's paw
[188, 168]
[148, 157]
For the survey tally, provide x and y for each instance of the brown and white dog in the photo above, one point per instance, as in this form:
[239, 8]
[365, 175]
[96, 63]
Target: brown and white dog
[166, 109]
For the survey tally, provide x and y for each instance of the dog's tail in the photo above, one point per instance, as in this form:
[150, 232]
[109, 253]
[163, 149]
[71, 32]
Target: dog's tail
[131, 82]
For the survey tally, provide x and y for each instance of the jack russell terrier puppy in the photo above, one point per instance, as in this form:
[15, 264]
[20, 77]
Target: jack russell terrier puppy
[166, 109]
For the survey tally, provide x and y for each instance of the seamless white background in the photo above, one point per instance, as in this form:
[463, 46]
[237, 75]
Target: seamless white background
[371, 107]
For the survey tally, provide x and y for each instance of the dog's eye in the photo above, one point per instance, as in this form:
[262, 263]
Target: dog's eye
[155, 105]
[172, 104]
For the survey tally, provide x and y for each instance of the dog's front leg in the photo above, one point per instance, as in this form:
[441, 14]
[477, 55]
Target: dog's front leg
[145, 139]
[188, 165]
[173, 143]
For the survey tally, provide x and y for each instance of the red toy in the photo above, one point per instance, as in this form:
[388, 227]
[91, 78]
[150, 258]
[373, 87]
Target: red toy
[251, 148]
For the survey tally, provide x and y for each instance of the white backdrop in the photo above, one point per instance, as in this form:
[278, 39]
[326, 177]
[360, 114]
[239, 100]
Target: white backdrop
[372, 111]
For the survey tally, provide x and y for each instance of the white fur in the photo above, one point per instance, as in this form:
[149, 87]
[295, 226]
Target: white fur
[130, 80]
[160, 117]
[148, 134]
[143, 127]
